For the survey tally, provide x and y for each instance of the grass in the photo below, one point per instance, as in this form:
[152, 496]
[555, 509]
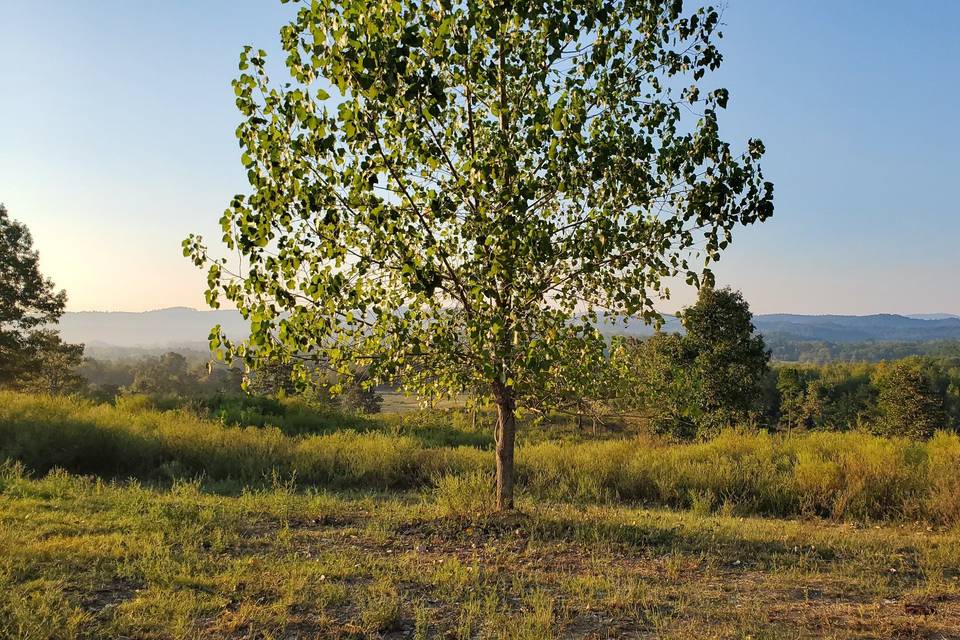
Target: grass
[129, 522]
[450, 425]
[84, 558]
[842, 476]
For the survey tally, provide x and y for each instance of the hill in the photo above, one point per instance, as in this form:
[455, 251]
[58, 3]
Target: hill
[185, 328]
[841, 329]
[180, 327]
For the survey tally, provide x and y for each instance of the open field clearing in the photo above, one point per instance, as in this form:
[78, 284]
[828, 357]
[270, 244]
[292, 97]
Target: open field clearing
[83, 558]
[478, 357]
[137, 523]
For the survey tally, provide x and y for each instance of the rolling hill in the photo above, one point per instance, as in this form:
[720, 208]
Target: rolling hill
[182, 327]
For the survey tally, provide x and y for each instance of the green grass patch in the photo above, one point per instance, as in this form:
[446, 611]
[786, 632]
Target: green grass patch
[84, 558]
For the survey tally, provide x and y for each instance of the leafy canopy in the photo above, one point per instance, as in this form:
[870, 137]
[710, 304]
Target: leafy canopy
[729, 357]
[27, 299]
[447, 192]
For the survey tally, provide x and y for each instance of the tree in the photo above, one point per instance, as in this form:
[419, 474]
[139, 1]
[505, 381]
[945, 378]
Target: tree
[51, 365]
[665, 383]
[589, 382]
[730, 360]
[714, 375]
[166, 374]
[792, 384]
[443, 192]
[212, 377]
[105, 379]
[909, 401]
[274, 378]
[358, 396]
[29, 352]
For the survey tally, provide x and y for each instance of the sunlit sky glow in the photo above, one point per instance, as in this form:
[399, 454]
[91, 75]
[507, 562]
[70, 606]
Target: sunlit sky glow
[117, 119]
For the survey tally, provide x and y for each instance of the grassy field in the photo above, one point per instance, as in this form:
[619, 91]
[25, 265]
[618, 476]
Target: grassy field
[84, 558]
[841, 476]
[124, 522]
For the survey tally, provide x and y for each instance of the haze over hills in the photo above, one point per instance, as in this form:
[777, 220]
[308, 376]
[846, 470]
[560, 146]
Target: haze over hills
[172, 327]
[933, 316]
[183, 327]
[879, 327]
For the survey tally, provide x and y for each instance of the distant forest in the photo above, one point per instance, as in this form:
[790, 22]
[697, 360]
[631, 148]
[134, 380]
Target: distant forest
[718, 372]
[787, 348]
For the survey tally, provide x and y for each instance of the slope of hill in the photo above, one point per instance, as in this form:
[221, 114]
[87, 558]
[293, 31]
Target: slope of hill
[184, 327]
[932, 316]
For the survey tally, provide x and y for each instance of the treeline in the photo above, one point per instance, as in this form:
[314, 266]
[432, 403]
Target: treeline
[912, 397]
[172, 375]
[718, 374]
[787, 348]
[715, 375]
[169, 374]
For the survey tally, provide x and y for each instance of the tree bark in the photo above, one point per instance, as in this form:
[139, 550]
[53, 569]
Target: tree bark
[505, 436]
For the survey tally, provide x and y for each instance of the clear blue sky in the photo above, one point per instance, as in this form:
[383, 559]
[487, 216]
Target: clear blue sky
[117, 119]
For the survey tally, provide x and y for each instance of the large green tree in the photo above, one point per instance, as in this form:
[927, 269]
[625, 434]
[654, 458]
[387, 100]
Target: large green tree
[664, 383]
[438, 188]
[31, 354]
[167, 374]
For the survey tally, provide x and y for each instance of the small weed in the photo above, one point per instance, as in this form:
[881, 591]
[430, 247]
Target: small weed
[465, 495]
[380, 607]
[701, 502]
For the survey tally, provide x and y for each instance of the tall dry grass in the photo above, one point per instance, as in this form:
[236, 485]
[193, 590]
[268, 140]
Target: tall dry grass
[836, 475]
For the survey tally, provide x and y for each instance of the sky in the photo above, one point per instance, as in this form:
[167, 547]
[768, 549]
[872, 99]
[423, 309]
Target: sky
[117, 121]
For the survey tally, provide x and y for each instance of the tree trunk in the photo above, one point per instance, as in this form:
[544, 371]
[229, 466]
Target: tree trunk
[505, 436]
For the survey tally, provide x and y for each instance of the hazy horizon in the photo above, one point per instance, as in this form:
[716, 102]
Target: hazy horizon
[116, 141]
[924, 315]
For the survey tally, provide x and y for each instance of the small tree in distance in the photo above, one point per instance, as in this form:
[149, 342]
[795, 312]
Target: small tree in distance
[908, 401]
[714, 375]
[729, 357]
[446, 193]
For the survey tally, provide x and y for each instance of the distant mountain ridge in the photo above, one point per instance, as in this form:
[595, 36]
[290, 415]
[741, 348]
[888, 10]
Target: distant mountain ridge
[877, 327]
[932, 316]
[174, 326]
[186, 327]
